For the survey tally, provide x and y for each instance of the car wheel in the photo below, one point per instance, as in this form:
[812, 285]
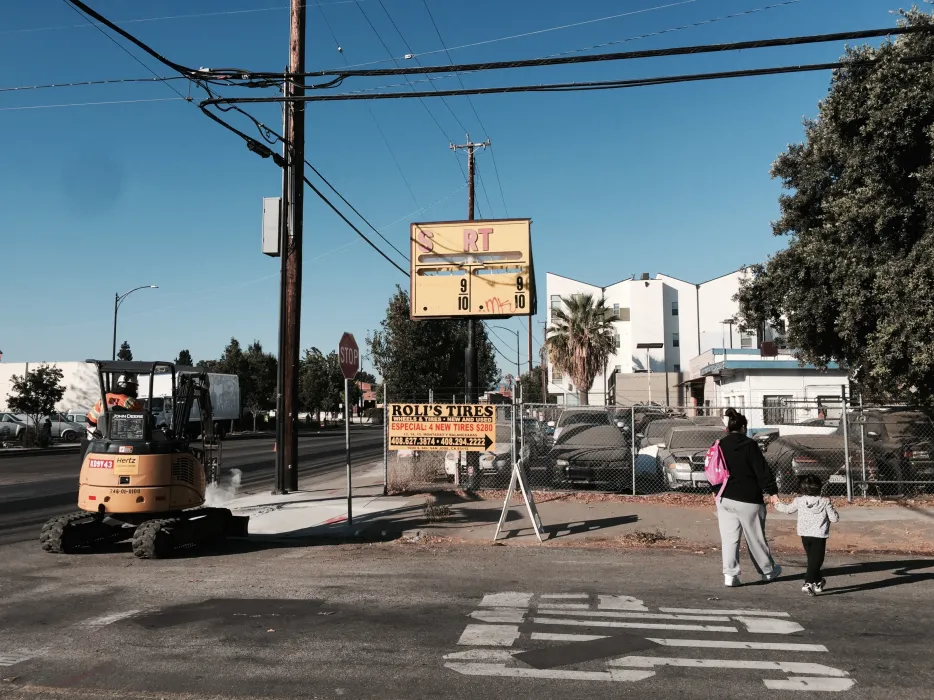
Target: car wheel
[69, 436]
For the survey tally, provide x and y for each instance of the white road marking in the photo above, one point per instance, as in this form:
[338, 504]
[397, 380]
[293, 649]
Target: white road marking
[481, 669]
[765, 625]
[701, 611]
[717, 644]
[621, 602]
[546, 637]
[507, 600]
[489, 635]
[833, 685]
[786, 666]
[15, 657]
[482, 655]
[104, 620]
[564, 596]
[632, 625]
[501, 615]
[564, 606]
[639, 615]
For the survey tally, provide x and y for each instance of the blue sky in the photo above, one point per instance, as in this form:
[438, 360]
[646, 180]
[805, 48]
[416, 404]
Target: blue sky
[99, 199]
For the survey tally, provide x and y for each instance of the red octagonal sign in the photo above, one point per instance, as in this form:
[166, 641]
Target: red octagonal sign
[349, 355]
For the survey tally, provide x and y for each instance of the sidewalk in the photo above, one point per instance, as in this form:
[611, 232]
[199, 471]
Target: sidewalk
[670, 521]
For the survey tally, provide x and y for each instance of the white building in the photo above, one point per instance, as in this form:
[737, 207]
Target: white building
[771, 391]
[680, 319]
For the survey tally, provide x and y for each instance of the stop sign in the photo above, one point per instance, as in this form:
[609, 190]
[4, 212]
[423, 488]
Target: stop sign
[349, 355]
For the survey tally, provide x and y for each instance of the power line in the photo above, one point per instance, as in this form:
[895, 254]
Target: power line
[470, 102]
[109, 81]
[541, 31]
[597, 85]
[630, 55]
[91, 104]
[125, 49]
[392, 154]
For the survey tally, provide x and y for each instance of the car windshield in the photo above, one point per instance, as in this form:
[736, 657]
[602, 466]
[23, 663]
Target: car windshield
[569, 418]
[699, 439]
[900, 426]
[658, 428]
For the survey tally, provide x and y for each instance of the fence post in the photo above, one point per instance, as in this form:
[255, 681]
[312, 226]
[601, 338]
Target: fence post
[385, 439]
[864, 487]
[846, 449]
[632, 438]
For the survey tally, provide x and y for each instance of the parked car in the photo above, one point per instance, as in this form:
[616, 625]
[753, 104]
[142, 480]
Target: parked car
[910, 434]
[682, 454]
[12, 429]
[792, 456]
[655, 432]
[590, 449]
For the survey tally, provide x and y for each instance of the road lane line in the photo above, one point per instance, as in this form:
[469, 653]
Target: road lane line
[548, 637]
[481, 669]
[506, 600]
[833, 685]
[501, 615]
[766, 625]
[638, 615]
[621, 602]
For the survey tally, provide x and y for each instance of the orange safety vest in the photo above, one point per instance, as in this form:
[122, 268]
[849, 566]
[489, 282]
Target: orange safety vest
[121, 400]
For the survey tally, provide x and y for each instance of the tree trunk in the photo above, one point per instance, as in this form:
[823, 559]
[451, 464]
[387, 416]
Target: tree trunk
[254, 421]
[584, 397]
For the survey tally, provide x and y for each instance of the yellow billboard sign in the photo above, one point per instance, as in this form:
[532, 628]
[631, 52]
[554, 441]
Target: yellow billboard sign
[442, 426]
[472, 268]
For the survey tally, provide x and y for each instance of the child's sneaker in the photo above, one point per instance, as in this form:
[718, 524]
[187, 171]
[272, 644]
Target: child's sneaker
[731, 581]
[819, 587]
[809, 588]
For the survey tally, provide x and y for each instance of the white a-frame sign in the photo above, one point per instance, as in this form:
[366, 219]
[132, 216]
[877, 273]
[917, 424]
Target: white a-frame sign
[519, 478]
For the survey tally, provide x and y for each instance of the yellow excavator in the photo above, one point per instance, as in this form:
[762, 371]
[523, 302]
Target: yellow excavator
[146, 482]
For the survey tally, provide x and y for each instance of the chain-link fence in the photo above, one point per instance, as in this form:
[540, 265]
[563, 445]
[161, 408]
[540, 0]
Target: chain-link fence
[878, 451]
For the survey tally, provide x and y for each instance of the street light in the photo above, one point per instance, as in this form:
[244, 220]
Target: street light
[730, 322]
[118, 299]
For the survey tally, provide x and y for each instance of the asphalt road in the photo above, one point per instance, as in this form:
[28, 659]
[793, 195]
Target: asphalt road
[34, 489]
[400, 621]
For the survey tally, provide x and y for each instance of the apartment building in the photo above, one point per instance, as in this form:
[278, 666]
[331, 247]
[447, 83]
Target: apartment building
[661, 324]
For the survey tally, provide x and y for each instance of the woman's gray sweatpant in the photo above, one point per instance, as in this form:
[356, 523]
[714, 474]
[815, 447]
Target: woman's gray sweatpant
[749, 519]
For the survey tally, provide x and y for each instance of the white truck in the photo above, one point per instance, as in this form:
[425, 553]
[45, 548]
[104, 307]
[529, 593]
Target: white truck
[82, 390]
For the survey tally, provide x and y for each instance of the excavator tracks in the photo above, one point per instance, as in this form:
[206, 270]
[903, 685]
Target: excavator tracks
[68, 533]
[153, 540]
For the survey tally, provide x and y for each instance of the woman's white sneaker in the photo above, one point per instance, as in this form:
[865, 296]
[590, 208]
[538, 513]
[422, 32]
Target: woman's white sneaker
[731, 581]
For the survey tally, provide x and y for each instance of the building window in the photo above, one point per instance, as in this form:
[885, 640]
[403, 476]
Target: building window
[745, 341]
[674, 308]
[776, 412]
[677, 368]
[556, 375]
[624, 314]
[675, 341]
[618, 341]
[616, 311]
[555, 302]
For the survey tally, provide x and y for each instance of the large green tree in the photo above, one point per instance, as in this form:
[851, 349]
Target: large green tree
[856, 281]
[580, 339]
[416, 356]
[321, 384]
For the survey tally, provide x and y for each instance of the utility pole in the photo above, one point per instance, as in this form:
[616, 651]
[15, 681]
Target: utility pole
[281, 480]
[293, 300]
[470, 353]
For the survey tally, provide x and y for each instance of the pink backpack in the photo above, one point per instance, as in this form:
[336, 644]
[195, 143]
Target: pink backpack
[715, 468]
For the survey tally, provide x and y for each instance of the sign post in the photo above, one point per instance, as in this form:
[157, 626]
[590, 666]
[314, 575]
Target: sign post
[349, 355]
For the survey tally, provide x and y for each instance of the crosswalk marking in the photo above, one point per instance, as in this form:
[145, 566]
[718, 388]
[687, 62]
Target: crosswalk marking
[15, 657]
[503, 650]
[717, 644]
[631, 625]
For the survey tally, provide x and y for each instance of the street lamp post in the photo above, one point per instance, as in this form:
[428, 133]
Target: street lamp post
[118, 299]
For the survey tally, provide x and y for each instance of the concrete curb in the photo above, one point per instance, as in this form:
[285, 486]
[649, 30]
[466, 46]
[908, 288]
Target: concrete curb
[37, 451]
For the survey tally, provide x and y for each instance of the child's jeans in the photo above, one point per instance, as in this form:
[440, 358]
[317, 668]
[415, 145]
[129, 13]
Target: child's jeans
[814, 547]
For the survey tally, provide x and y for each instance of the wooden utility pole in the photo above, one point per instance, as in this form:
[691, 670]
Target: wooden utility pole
[293, 305]
[281, 480]
[470, 353]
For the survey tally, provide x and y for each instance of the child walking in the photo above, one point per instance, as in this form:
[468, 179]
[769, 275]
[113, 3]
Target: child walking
[815, 513]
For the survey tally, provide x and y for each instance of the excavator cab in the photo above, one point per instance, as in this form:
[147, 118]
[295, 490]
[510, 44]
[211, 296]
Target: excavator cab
[145, 481]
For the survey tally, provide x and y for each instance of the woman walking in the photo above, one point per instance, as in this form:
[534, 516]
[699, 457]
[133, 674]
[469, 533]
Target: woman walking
[740, 509]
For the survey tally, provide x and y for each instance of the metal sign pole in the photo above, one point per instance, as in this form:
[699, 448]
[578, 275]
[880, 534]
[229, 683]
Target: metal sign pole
[385, 439]
[347, 448]
[846, 450]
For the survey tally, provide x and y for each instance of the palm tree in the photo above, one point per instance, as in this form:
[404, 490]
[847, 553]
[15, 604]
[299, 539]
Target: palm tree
[581, 340]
